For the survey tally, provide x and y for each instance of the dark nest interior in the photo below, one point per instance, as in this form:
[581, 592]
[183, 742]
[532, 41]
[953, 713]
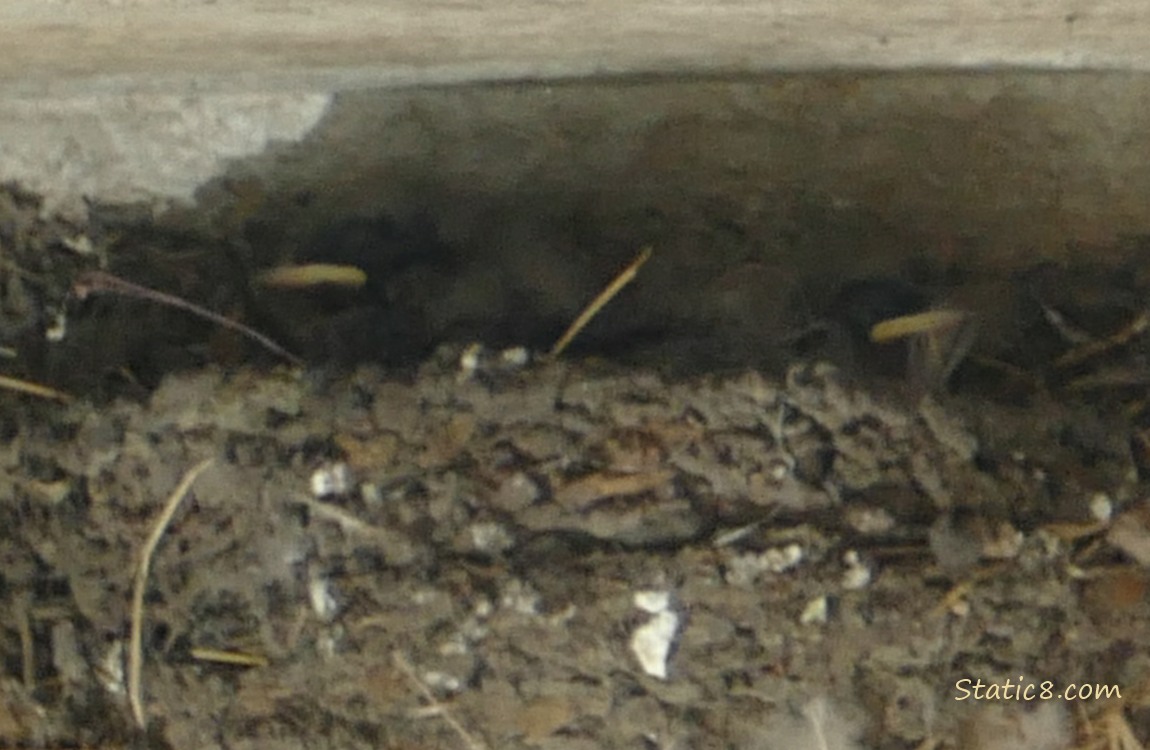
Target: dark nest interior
[867, 429]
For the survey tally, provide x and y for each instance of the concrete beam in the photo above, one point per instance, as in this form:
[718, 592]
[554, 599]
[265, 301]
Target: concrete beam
[175, 46]
[125, 100]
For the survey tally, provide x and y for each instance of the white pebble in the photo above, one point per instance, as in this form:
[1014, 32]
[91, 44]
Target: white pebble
[57, 329]
[442, 681]
[515, 357]
[1101, 507]
[857, 574]
[331, 479]
[469, 360]
[490, 537]
[815, 613]
[320, 596]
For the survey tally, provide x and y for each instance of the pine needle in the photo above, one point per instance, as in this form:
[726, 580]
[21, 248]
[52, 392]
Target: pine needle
[623, 279]
[33, 389]
[232, 658]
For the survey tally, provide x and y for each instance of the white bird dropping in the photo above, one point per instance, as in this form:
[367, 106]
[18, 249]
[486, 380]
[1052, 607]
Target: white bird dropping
[651, 642]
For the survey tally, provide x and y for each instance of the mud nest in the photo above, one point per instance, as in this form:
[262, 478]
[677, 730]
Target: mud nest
[475, 547]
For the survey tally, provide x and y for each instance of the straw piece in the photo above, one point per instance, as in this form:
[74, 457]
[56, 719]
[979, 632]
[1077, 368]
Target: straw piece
[33, 389]
[434, 706]
[233, 658]
[135, 639]
[623, 279]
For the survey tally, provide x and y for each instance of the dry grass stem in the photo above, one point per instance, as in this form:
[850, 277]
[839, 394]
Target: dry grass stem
[1069, 332]
[623, 279]
[93, 282]
[346, 521]
[1093, 349]
[33, 389]
[135, 639]
[958, 592]
[434, 706]
[233, 658]
[27, 643]
[1109, 378]
[1109, 730]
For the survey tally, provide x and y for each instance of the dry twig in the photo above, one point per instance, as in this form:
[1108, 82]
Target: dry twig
[135, 639]
[93, 282]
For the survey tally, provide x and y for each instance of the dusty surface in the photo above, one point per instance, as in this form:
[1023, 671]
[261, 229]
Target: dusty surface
[459, 549]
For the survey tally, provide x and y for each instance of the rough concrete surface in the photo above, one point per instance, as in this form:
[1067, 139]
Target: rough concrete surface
[1029, 162]
[122, 100]
[335, 43]
[141, 147]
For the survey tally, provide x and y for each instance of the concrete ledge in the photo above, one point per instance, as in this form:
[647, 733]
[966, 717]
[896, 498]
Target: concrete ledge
[152, 99]
[174, 46]
[140, 147]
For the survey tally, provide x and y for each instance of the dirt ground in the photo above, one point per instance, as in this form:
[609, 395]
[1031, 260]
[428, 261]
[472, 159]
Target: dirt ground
[485, 548]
